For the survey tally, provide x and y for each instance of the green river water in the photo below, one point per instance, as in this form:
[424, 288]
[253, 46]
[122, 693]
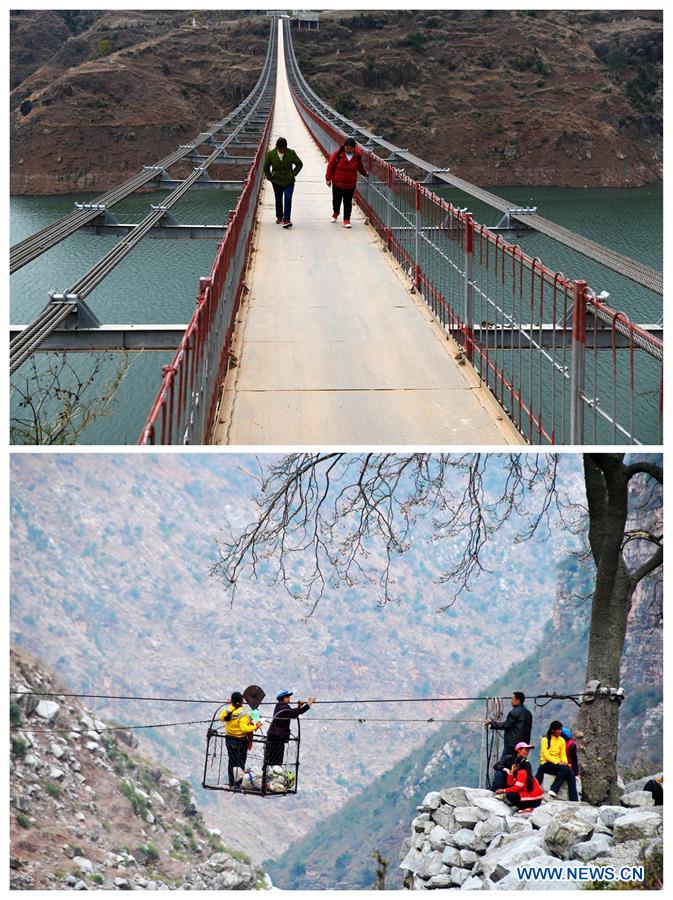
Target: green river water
[158, 281]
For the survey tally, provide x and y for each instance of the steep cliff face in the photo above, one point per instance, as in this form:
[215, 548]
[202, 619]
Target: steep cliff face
[91, 108]
[87, 811]
[564, 98]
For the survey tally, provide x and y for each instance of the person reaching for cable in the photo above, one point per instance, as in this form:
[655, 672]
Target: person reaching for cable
[278, 733]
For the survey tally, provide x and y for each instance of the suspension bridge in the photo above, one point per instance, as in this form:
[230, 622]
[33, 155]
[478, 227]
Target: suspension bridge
[418, 326]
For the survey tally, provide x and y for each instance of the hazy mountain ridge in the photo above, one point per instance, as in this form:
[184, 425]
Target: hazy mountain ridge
[110, 586]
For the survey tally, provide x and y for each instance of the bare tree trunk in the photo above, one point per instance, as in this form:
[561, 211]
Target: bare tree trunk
[597, 725]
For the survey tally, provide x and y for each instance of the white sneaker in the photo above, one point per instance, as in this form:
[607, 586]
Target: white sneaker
[551, 793]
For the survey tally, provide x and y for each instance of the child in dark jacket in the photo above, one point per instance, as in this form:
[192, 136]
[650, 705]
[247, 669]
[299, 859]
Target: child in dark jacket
[342, 174]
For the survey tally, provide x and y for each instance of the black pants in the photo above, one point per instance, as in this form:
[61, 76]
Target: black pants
[275, 750]
[562, 773]
[515, 799]
[345, 194]
[237, 748]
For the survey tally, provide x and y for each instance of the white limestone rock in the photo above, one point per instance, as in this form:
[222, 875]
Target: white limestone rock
[466, 816]
[413, 861]
[466, 839]
[419, 822]
[637, 799]
[564, 831]
[451, 856]
[639, 824]
[468, 858]
[610, 814]
[430, 802]
[459, 876]
[473, 884]
[599, 845]
[47, 709]
[496, 864]
[440, 881]
[443, 816]
[456, 796]
[492, 806]
[83, 864]
[518, 824]
[486, 829]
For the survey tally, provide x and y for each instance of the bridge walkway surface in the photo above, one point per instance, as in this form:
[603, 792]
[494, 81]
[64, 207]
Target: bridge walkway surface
[332, 347]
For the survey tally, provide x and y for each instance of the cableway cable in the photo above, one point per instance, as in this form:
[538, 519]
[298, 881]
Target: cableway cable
[547, 697]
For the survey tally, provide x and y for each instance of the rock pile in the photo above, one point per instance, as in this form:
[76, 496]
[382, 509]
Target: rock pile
[468, 838]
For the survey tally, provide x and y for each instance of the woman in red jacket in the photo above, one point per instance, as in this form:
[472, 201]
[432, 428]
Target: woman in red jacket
[342, 174]
[523, 789]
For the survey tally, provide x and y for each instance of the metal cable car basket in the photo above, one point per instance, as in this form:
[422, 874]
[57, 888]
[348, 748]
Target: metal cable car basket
[258, 772]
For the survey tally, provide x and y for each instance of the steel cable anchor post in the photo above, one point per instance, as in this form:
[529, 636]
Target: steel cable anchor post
[577, 362]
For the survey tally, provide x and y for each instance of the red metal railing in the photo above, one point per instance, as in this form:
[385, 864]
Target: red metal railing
[549, 351]
[184, 410]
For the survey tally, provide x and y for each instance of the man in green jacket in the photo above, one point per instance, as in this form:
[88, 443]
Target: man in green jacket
[280, 167]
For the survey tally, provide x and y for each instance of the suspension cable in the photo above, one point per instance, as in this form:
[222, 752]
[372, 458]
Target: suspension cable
[547, 697]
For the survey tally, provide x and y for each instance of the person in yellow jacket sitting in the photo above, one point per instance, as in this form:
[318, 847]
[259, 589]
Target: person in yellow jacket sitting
[554, 761]
[238, 726]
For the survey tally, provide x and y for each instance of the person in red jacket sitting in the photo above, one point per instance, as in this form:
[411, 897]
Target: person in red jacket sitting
[523, 789]
[342, 175]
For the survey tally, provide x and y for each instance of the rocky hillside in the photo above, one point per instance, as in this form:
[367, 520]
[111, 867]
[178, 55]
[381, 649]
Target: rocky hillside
[88, 811]
[110, 586]
[564, 98]
[503, 97]
[468, 838]
[96, 95]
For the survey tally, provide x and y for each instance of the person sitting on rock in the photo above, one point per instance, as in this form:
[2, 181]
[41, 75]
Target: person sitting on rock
[516, 728]
[554, 761]
[523, 789]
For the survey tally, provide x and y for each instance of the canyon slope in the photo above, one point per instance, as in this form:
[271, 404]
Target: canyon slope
[88, 811]
[503, 97]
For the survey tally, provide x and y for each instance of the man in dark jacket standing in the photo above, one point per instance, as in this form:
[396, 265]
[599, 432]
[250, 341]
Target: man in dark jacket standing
[516, 727]
[278, 734]
[281, 166]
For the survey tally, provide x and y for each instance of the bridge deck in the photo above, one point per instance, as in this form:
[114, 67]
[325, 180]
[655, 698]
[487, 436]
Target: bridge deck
[332, 348]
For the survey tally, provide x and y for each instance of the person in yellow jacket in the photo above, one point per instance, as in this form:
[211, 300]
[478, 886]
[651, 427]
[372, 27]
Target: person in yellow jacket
[554, 761]
[238, 725]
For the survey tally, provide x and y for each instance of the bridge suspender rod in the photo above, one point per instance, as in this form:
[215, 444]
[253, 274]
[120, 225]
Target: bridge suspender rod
[629, 268]
[33, 246]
